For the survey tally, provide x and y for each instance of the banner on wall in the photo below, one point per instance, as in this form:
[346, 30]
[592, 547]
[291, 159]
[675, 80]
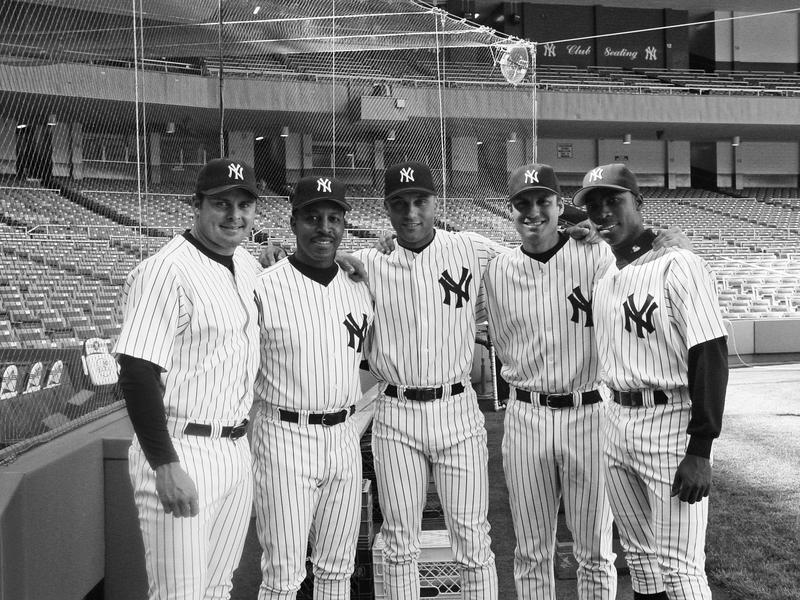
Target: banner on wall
[645, 49]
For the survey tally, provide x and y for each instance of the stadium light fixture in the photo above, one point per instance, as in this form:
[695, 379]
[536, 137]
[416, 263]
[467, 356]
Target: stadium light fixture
[257, 10]
[736, 141]
[171, 127]
[479, 143]
[259, 138]
[512, 138]
[52, 120]
[391, 136]
[22, 126]
[285, 131]
[627, 139]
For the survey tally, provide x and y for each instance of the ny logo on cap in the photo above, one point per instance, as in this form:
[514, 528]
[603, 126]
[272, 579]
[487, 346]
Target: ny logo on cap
[531, 176]
[235, 171]
[596, 174]
[406, 175]
[324, 185]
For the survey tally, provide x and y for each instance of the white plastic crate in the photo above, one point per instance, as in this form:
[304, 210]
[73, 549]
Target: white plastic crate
[439, 576]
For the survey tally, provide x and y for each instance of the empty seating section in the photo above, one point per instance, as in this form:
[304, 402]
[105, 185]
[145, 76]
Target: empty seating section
[47, 209]
[61, 286]
[386, 66]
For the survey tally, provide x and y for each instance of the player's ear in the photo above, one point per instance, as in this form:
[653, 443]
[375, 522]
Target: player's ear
[197, 200]
[560, 202]
[293, 222]
[639, 202]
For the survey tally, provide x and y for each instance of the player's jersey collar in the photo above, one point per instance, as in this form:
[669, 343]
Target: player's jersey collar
[627, 253]
[225, 261]
[323, 276]
[418, 250]
[543, 257]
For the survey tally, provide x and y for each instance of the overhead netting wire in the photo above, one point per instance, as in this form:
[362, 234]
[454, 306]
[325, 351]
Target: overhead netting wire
[109, 108]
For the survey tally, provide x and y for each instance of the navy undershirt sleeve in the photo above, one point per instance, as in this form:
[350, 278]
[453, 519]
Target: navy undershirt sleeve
[140, 381]
[708, 380]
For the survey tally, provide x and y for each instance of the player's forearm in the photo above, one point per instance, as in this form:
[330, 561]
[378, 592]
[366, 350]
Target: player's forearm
[139, 381]
[708, 379]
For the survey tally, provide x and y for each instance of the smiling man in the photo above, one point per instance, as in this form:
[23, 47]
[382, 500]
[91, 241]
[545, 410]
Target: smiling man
[539, 304]
[314, 323]
[663, 352]
[188, 353]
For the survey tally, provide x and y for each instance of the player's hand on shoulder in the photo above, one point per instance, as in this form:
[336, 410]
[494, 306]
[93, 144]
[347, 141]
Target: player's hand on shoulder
[270, 254]
[584, 232]
[672, 238]
[352, 266]
[176, 491]
[385, 243]
[692, 480]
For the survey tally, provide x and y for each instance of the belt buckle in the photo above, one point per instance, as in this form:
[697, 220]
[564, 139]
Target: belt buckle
[333, 419]
[556, 397]
[425, 394]
[238, 430]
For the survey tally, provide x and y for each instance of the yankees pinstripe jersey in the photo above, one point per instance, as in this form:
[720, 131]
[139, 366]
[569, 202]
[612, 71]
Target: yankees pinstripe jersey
[424, 333]
[649, 314]
[188, 314]
[540, 317]
[330, 379]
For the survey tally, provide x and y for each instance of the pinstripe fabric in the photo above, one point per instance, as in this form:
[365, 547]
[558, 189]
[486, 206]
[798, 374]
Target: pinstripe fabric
[207, 547]
[183, 312]
[645, 445]
[191, 316]
[424, 336]
[546, 344]
[307, 477]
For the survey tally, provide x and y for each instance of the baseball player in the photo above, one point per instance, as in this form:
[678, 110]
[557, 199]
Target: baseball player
[427, 416]
[539, 305]
[188, 353]
[306, 447]
[663, 353]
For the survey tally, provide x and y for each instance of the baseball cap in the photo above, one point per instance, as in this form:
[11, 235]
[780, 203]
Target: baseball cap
[313, 189]
[408, 177]
[613, 177]
[223, 174]
[533, 177]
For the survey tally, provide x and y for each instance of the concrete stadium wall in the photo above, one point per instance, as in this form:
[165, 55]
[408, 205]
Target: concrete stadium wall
[66, 516]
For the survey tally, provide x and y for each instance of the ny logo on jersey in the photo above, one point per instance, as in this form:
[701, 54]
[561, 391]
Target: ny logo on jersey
[579, 303]
[236, 171]
[595, 174]
[531, 176]
[641, 317]
[324, 185]
[356, 331]
[406, 175]
[460, 288]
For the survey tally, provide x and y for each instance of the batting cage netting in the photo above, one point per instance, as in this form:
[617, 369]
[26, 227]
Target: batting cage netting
[110, 108]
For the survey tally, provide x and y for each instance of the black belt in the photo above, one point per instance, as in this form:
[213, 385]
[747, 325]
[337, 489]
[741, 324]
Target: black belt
[560, 400]
[234, 432]
[326, 419]
[637, 398]
[424, 394]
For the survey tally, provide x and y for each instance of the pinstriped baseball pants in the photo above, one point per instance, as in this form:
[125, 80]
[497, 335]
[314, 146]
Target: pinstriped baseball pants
[448, 437]
[307, 488]
[663, 538]
[550, 453]
[194, 558]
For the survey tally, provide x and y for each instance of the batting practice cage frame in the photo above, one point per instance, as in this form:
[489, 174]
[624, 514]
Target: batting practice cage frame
[108, 109]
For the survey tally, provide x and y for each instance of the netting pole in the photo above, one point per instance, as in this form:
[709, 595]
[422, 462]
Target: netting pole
[221, 83]
[138, 126]
[145, 164]
[333, 85]
[442, 125]
[534, 107]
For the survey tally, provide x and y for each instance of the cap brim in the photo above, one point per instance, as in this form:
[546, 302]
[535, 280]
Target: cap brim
[529, 188]
[345, 205]
[578, 200]
[234, 186]
[410, 189]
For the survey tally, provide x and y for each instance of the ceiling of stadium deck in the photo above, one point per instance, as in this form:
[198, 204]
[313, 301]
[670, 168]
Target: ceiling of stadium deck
[190, 29]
